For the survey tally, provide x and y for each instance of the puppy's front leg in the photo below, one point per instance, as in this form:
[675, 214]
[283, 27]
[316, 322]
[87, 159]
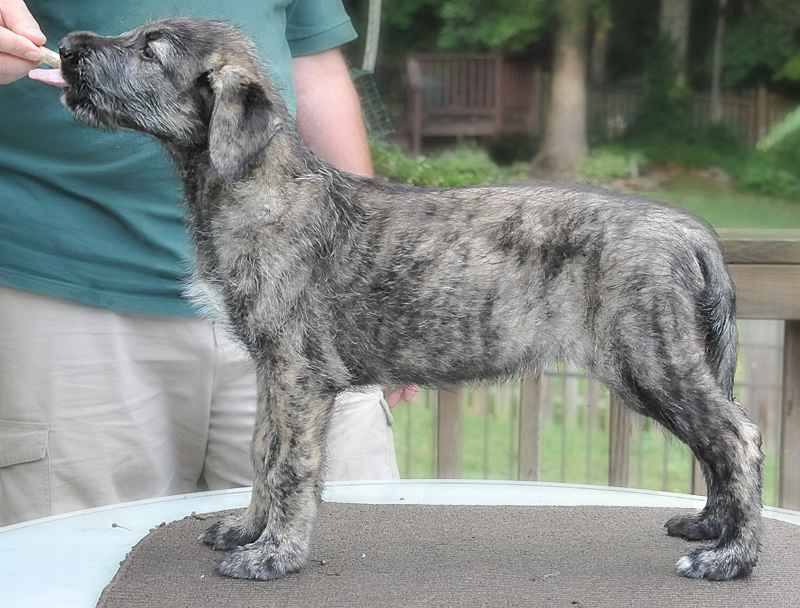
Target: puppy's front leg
[271, 538]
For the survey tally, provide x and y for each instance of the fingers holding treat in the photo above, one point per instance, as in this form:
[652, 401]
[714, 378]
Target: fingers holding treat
[54, 76]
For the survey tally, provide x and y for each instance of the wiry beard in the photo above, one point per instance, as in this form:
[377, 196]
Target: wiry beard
[130, 108]
[82, 98]
[87, 113]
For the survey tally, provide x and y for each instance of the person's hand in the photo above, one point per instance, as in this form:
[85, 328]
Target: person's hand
[401, 393]
[20, 37]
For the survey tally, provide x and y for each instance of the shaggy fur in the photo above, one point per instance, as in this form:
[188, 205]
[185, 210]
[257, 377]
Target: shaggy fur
[333, 281]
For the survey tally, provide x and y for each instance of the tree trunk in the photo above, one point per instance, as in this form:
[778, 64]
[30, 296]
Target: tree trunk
[716, 72]
[599, 54]
[674, 24]
[564, 142]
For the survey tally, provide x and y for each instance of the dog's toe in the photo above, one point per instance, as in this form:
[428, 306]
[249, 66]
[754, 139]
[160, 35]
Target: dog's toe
[260, 561]
[229, 533]
[715, 564]
[694, 526]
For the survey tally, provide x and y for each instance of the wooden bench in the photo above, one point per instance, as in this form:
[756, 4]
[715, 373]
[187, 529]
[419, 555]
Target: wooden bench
[468, 96]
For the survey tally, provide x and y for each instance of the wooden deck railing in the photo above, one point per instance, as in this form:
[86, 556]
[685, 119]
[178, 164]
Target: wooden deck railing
[765, 265]
[467, 96]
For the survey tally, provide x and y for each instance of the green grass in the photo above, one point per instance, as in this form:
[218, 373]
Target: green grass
[574, 452]
[724, 206]
[414, 439]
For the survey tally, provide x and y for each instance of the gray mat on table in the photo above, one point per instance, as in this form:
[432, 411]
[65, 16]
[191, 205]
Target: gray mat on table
[416, 555]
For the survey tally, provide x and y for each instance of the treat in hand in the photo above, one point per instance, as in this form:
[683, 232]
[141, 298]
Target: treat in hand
[54, 77]
[49, 57]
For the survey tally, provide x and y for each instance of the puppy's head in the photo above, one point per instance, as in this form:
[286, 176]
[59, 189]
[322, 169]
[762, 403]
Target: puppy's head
[190, 83]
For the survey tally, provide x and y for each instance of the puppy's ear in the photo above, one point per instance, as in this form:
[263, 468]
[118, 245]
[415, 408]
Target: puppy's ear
[243, 122]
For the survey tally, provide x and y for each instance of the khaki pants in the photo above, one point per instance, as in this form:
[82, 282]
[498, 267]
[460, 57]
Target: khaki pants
[99, 407]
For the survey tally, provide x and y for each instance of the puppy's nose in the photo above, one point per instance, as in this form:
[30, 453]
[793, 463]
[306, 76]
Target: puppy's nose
[65, 48]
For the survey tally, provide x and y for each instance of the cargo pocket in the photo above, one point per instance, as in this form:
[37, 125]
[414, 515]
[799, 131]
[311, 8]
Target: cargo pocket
[24, 471]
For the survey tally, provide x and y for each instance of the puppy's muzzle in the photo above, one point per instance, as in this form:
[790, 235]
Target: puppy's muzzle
[65, 49]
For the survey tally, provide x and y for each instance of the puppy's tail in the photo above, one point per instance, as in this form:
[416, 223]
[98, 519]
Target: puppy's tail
[716, 312]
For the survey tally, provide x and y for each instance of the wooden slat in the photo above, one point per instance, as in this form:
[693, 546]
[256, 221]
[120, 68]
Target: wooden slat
[497, 99]
[767, 291]
[448, 57]
[449, 115]
[761, 246]
[530, 428]
[467, 128]
[789, 476]
[415, 103]
[449, 434]
[619, 457]
[698, 482]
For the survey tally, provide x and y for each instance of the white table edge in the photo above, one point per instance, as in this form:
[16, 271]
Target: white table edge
[35, 572]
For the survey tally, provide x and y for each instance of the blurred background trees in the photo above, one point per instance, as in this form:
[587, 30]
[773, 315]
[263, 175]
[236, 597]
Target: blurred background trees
[672, 48]
[761, 36]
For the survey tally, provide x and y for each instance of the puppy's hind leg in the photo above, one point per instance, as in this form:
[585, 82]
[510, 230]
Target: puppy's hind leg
[271, 538]
[692, 406]
[728, 446]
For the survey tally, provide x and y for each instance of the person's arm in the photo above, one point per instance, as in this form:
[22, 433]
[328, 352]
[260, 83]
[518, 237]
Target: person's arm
[329, 112]
[20, 37]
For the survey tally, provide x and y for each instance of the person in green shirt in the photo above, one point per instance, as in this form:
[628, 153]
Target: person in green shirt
[111, 387]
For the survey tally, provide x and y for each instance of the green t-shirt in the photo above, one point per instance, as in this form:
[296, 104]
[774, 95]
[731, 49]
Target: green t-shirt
[97, 216]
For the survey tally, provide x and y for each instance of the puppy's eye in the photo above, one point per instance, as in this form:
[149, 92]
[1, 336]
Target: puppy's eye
[148, 53]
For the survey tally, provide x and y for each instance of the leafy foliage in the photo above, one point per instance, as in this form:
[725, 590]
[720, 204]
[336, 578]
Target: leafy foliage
[506, 149]
[791, 71]
[610, 162]
[410, 25]
[635, 26]
[758, 46]
[666, 109]
[776, 170]
[780, 131]
[459, 25]
[510, 25]
[466, 165]
[762, 43]
[718, 145]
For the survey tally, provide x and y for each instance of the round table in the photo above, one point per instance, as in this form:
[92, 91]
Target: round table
[37, 558]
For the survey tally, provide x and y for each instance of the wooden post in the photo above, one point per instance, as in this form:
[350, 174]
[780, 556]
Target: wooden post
[716, 70]
[530, 428]
[537, 101]
[499, 94]
[698, 480]
[449, 434]
[765, 266]
[789, 479]
[619, 460]
[415, 87]
[762, 101]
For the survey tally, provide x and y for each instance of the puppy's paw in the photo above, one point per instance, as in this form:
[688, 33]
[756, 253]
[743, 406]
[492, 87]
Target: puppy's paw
[262, 561]
[229, 533]
[694, 526]
[715, 564]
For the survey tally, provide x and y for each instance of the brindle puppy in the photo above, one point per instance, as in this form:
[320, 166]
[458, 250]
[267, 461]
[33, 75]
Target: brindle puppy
[333, 281]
